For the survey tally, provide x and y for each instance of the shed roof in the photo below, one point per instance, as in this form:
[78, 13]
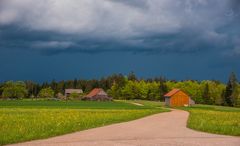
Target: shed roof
[172, 92]
[94, 92]
[73, 91]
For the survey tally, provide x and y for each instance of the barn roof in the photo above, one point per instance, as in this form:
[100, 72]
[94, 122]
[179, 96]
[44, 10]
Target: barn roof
[172, 92]
[94, 92]
[73, 91]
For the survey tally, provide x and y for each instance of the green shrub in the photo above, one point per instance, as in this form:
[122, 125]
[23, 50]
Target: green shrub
[46, 93]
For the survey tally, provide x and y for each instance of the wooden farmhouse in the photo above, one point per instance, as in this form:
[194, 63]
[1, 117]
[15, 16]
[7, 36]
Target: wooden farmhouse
[176, 97]
[68, 92]
[98, 94]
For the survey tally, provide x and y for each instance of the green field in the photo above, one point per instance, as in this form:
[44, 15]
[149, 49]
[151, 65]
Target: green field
[67, 104]
[22, 120]
[214, 119]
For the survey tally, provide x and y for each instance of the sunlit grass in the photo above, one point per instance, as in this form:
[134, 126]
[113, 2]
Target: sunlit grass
[67, 104]
[24, 123]
[215, 119]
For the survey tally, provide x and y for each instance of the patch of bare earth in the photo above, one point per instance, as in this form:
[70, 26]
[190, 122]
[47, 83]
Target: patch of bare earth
[164, 129]
[138, 104]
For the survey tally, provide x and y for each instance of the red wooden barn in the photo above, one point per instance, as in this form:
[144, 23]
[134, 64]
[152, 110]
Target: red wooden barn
[98, 94]
[176, 97]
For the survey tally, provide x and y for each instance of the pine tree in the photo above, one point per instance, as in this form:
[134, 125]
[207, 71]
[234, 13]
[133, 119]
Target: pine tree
[75, 83]
[206, 96]
[132, 76]
[163, 89]
[53, 85]
[231, 85]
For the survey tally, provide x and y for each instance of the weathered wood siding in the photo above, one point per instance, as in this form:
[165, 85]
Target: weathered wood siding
[167, 101]
[179, 99]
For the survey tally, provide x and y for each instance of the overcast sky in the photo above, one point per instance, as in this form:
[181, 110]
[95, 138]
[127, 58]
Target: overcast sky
[66, 39]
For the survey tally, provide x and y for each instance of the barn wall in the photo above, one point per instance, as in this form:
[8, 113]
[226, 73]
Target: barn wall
[179, 99]
[102, 93]
[167, 101]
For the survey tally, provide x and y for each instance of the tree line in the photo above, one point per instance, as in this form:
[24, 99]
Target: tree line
[30, 89]
[204, 92]
[130, 87]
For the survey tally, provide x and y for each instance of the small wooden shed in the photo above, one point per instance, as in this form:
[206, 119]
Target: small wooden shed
[68, 92]
[176, 97]
[97, 94]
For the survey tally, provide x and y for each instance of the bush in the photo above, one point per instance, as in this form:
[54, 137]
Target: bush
[75, 96]
[46, 93]
[61, 96]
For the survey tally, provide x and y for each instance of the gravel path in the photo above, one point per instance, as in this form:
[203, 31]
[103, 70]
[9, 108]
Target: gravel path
[164, 129]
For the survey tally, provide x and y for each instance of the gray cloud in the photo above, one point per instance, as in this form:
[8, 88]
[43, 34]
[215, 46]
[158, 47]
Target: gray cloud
[133, 3]
[235, 5]
[147, 26]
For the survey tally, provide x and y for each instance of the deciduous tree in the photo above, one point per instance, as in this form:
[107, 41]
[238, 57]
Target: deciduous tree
[14, 90]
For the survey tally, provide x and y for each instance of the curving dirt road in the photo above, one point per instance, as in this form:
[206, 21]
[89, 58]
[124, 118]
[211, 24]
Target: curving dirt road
[164, 129]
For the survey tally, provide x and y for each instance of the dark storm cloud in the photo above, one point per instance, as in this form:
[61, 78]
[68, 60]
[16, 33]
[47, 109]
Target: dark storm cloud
[50, 39]
[235, 5]
[159, 26]
[50, 43]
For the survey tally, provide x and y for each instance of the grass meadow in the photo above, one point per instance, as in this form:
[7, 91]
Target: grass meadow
[28, 120]
[24, 120]
[45, 104]
[214, 119]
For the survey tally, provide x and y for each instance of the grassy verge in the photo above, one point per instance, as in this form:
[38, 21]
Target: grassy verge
[22, 121]
[214, 119]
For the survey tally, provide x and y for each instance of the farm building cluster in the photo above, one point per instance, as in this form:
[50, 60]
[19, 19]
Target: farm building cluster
[97, 94]
[174, 98]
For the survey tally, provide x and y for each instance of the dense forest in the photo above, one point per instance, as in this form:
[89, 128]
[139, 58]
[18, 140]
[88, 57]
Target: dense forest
[130, 87]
